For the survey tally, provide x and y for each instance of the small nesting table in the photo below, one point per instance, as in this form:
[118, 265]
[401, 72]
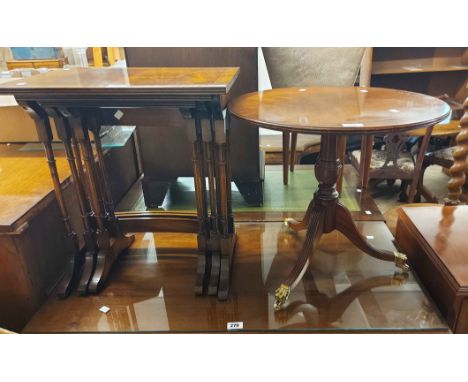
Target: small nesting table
[80, 101]
[334, 112]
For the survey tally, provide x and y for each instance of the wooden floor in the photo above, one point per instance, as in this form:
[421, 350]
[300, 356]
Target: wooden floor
[151, 289]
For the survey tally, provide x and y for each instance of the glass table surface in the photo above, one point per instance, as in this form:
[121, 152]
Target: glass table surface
[344, 290]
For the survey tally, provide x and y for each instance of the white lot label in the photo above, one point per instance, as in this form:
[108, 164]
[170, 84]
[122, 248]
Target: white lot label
[235, 325]
[118, 114]
[357, 124]
[104, 309]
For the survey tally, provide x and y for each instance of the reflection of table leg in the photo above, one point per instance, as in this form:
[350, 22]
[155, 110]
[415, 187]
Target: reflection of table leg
[321, 310]
[325, 214]
[44, 132]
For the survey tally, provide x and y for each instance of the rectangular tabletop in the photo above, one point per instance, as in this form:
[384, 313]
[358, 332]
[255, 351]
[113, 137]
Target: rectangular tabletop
[116, 85]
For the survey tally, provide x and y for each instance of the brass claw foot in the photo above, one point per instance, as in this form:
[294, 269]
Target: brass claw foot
[281, 296]
[401, 261]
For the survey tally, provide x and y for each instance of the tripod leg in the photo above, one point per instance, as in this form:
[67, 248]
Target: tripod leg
[314, 232]
[345, 224]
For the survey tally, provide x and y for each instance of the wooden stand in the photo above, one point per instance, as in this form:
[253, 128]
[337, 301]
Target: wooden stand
[434, 239]
[325, 214]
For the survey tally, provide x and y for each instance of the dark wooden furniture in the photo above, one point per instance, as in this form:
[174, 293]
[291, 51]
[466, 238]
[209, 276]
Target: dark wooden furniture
[162, 162]
[33, 239]
[434, 239]
[334, 112]
[80, 101]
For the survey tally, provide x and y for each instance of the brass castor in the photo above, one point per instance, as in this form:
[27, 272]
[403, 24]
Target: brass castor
[401, 261]
[281, 296]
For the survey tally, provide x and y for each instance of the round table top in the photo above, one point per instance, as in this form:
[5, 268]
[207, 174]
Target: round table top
[339, 110]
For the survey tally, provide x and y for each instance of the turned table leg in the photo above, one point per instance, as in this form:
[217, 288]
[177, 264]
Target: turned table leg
[64, 131]
[44, 132]
[109, 247]
[118, 240]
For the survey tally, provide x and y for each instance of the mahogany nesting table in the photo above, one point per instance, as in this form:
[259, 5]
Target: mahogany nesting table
[81, 100]
[334, 112]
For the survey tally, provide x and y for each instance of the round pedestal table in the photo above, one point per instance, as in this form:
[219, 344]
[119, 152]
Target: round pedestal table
[333, 112]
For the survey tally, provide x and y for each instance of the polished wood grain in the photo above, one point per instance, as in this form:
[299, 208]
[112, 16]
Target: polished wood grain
[343, 290]
[90, 82]
[24, 182]
[348, 110]
[435, 240]
[444, 230]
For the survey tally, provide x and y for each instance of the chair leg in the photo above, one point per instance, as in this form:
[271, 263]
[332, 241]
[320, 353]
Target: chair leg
[285, 157]
[367, 141]
[419, 163]
[403, 196]
[292, 160]
[420, 185]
